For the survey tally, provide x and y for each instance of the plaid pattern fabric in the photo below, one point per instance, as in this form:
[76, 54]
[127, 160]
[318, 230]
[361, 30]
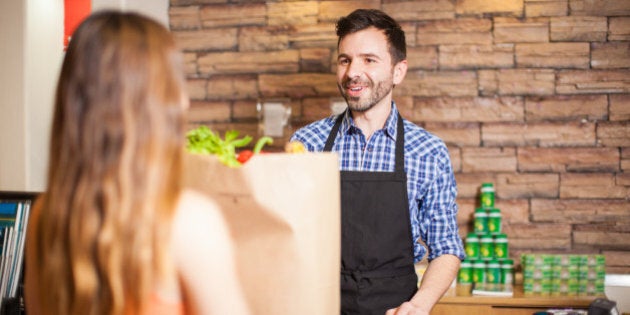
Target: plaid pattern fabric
[431, 184]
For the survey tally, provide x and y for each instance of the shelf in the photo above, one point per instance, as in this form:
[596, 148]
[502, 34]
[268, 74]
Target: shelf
[459, 300]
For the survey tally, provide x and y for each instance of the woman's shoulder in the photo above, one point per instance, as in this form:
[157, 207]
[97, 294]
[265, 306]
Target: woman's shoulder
[197, 215]
[195, 200]
[194, 206]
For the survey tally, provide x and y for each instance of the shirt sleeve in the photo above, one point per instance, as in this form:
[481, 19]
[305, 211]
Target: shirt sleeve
[439, 226]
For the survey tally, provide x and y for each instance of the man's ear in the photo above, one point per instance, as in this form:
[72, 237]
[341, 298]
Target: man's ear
[400, 70]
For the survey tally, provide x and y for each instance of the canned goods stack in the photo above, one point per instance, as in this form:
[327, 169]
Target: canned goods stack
[487, 195]
[486, 247]
[569, 275]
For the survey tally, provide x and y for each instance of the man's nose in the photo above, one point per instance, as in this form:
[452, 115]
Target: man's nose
[354, 70]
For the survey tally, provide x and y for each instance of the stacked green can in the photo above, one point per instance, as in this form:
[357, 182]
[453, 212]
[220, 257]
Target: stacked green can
[487, 195]
[563, 274]
[486, 247]
[465, 275]
[537, 271]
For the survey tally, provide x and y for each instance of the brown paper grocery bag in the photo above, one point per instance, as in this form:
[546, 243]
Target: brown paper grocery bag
[284, 214]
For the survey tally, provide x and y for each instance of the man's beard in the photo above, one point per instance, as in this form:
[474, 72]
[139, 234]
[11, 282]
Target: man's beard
[366, 102]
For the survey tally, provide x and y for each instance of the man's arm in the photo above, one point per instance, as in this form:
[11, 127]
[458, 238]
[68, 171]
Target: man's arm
[436, 280]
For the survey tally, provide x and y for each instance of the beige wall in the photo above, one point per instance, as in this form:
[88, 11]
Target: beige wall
[157, 9]
[31, 53]
[12, 161]
[31, 33]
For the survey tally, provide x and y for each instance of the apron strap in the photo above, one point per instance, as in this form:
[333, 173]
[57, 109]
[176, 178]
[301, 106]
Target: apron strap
[400, 146]
[400, 140]
[333, 133]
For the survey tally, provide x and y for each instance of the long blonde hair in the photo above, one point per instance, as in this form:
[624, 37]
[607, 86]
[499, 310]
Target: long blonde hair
[115, 164]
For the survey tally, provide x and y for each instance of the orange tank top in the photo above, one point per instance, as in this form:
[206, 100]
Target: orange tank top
[159, 306]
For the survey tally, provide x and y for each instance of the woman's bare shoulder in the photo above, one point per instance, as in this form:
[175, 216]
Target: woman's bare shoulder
[198, 215]
[194, 203]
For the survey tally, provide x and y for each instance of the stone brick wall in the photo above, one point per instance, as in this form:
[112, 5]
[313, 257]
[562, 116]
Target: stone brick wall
[532, 95]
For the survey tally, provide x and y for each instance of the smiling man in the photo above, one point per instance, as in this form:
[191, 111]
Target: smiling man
[397, 184]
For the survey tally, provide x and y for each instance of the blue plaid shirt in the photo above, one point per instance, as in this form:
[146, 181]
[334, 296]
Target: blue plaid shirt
[431, 184]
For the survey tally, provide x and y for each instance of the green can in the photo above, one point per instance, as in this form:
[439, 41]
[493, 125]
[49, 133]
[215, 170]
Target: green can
[545, 286]
[545, 272]
[481, 221]
[574, 260]
[501, 246]
[586, 287]
[528, 272]
[494, 221]
[537, 272]
[472, 246]
[507, 271]
[574, 286]
[486, 247]
[582, 260]
[600, 260]
[583, 272]
[557, 286]
[600, 272]
[556, 271]
[479, 271]
[564, 272]
[537, 286]
[600, 287]
[596, 260]
[487, 195]
[528, 286]
[583, 285]
[574, 272]
[493, 272]
[545, 259]
[537, 259]
[465, 275]
[560, 260]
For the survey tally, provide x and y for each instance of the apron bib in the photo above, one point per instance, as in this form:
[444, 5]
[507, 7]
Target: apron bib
[377, 269]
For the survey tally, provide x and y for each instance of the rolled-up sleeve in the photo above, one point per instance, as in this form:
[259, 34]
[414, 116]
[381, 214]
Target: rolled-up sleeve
[440, 229]
[433, 204]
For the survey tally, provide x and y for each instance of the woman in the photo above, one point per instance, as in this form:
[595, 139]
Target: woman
[115, 232]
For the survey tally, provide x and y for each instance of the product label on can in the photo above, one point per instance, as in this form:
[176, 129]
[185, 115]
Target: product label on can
[481, 221]
[494, 221]
[486, 248]
[507, 271]
[479, 272]
[537, 272]
[493, 272]
[465, 273]
[487, 195]
[501, 246]
[472, 247]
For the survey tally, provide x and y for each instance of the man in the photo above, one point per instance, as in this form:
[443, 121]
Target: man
[397, 184]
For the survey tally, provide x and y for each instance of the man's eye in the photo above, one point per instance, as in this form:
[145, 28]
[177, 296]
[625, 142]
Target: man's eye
[343, 61]
[370, 60]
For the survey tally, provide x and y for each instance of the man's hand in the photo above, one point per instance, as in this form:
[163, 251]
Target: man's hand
[435, 281]
[407, 308]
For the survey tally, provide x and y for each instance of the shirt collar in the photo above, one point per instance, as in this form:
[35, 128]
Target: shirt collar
[347, 126]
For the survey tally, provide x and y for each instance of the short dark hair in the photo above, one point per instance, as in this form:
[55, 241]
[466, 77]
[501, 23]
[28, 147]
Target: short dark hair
[364, 18]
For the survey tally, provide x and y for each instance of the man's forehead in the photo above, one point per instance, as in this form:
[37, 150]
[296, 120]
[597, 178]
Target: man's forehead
[364, 43]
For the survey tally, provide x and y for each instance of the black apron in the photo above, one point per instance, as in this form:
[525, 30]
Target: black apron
[377, 269]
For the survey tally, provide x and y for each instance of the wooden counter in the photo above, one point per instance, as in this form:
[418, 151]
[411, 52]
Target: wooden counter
[459, 300]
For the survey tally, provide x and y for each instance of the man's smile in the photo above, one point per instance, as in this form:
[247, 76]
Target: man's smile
[355, 89]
